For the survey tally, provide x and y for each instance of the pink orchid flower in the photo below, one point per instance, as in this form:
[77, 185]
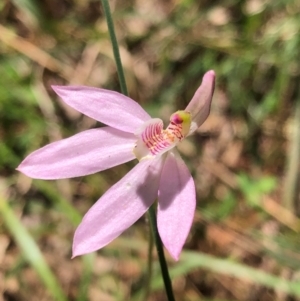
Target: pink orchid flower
[131, 133]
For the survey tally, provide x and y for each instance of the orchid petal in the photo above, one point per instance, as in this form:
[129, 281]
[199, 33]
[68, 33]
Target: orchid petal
[85, 153]
[121, 206]
[108, 107]
[176, 204]
[199, 106]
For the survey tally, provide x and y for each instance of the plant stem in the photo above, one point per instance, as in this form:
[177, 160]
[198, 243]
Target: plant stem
[115, 46]
[161, 255]
[152, 216]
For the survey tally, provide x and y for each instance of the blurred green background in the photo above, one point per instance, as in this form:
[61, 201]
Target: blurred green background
[244, 243]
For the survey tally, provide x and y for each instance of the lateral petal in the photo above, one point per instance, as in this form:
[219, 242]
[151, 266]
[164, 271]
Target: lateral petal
[176, 204]
[121, 206]
[85, 153]
[109, 107]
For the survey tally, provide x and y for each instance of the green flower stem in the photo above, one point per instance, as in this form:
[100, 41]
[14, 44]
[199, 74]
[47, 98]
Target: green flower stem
[115, 46]
[159, 247]
[161, 255]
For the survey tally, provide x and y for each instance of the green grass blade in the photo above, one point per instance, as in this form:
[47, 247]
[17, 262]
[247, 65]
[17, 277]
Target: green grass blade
[190, 261]
[59, 201]
[74, 217]
[30, 250]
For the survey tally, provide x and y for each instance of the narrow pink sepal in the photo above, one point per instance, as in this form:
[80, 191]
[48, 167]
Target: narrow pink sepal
[108, 107]
[121, 206]
[85, 153]
[199, 106]
[176, 204]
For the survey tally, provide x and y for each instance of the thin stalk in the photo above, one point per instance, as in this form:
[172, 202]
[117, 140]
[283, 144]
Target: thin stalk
[152, 216]
[115, 46]
[161, 255]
